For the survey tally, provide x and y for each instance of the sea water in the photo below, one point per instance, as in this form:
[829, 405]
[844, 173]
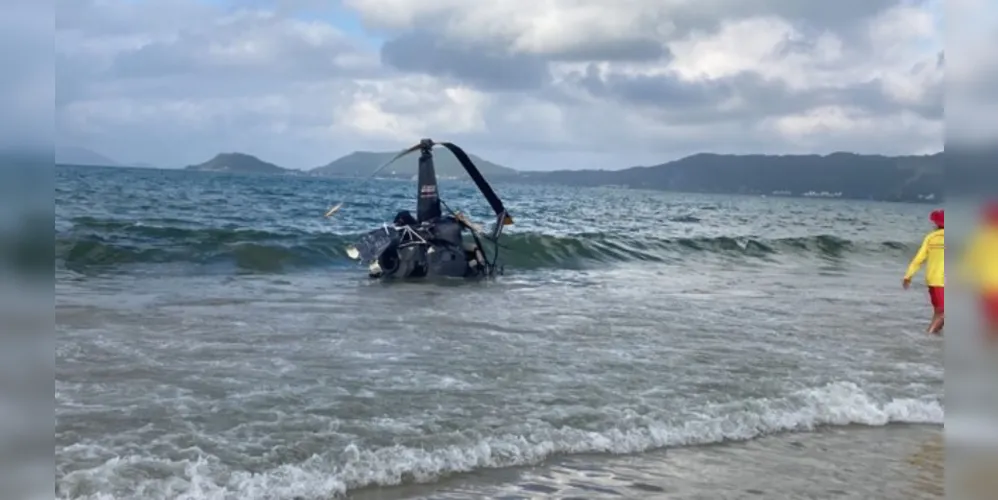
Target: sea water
[214, 341]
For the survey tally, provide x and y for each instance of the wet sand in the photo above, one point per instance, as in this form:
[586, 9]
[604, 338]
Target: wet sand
[894, 462]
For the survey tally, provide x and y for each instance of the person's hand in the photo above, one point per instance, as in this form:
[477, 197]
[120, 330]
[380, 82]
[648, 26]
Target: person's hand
[906, 283]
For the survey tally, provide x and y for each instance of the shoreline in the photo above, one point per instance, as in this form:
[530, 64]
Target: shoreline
[897, 461]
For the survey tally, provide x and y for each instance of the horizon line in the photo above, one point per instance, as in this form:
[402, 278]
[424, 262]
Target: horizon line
[309, 169]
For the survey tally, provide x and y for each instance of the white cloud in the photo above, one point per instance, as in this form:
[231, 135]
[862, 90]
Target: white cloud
[742, 45]
[632, 81]
[405, 110]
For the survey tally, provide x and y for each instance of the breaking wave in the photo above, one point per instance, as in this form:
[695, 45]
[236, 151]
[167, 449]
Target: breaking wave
[195, 474]
[96, 243]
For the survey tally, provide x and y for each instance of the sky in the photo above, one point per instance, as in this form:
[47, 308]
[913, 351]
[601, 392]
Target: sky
[532, 84]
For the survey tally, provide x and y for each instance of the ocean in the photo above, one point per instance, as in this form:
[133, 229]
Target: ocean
[215, 342]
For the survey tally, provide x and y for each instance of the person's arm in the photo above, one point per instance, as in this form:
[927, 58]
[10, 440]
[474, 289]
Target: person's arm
[917, 261]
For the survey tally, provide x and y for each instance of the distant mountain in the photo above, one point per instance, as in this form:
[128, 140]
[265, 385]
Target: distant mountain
[239, 163]
[838, 175]
[363, 163]
[73, 155]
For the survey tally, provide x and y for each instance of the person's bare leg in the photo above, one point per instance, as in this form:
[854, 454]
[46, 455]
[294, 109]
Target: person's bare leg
[938, 330]
[937, 323]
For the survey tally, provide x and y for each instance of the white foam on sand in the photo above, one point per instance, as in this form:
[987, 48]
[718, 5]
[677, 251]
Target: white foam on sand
[337, 471]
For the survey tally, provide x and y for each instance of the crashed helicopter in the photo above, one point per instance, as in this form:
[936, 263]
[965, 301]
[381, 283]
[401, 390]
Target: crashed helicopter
[432, 244]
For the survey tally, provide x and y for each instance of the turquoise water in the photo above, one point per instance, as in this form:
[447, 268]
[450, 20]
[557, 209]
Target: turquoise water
[214, 341]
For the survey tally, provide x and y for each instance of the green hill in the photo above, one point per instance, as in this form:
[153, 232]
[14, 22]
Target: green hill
[363, 163]
[838, 175]
[239, 163]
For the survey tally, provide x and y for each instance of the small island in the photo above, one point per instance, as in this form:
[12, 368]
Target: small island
[362, 163]
[240, 163]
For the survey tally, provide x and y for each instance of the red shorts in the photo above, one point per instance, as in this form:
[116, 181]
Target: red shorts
[937, 297]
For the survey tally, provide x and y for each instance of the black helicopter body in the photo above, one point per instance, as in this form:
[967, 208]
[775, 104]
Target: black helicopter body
[433, 244]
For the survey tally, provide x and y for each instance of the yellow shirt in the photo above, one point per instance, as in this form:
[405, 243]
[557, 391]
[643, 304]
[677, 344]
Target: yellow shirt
[931, 254]
[980, 262]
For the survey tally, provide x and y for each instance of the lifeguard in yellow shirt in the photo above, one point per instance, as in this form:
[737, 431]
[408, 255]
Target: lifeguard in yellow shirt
[980, 267]
[931, 254]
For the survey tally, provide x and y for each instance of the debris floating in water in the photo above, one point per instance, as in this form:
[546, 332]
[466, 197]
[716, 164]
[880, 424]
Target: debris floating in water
[333, 210]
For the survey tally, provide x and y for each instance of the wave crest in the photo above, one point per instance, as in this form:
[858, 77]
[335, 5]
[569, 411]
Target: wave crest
[92, 243]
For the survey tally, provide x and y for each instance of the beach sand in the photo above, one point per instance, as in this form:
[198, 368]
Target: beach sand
[903, 462]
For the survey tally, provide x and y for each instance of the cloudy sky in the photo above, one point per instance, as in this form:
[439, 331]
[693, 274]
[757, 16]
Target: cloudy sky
[533, 84]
